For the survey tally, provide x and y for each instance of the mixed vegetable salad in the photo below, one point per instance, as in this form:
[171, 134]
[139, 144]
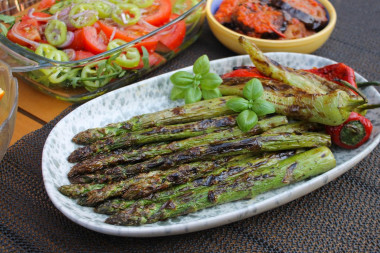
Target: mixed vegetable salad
[73, 30]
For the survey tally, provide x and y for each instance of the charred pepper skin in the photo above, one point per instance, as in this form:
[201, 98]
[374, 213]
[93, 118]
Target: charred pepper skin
[353, 133]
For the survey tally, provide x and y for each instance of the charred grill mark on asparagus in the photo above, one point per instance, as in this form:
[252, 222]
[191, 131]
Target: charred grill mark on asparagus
[147, 183]
[188, 113]
[221, 175]
[248, 185]
[256, 144]
[157, 134]
[92, 165]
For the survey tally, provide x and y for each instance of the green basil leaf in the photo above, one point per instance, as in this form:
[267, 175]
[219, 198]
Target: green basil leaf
[210, 81]
[262, 107]
[210, 94]
[246, 120]
[253, 89]
[237, 104]
[7, 19]
[177, 93]
[193, 95]
[201, 65]
[182, 79]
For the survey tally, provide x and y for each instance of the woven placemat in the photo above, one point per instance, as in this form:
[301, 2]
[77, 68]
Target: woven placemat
[341, 216]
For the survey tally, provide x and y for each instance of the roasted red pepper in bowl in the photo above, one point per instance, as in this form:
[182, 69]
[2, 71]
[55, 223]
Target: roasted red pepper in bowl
[354, 132]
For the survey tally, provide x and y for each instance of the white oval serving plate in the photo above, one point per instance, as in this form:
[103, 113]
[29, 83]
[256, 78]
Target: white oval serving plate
[153, 95]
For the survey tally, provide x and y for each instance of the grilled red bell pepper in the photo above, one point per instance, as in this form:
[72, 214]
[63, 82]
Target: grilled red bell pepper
[335, 72]
[355, 131]
[244, 71]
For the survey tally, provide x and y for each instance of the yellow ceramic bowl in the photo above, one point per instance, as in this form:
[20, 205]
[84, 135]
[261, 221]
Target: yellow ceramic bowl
[308, 44]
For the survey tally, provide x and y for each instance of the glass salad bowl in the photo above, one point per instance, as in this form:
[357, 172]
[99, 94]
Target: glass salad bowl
[8, 106]
[77, 75]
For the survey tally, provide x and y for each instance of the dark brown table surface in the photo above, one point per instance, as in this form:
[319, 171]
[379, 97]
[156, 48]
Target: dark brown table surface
[342, 216]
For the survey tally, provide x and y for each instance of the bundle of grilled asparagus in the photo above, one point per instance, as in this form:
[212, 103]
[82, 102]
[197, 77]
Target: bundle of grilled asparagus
[169, 163]
[173, 162]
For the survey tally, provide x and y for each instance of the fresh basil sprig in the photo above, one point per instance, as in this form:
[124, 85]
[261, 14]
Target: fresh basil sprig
[251, 106]
[197, 85]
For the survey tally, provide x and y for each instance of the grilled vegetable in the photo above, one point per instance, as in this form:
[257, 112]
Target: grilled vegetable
[302, 95]
[247, 145]
[309, 12]
[78, 190]
[354, 132]
[182, 114]
[307, 81]
[123, 171]
[249, 185]
[221, 175]
[97, 163]
[147, 183]
[156, 134]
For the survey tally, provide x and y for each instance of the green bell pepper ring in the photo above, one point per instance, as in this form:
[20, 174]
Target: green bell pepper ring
[104, 9]
[126, 14]
[54, 74]
[59, 6]
[91, 78]
[44, 50]
[142, 3]
[130, 57]
[82, 15]
[56, 32]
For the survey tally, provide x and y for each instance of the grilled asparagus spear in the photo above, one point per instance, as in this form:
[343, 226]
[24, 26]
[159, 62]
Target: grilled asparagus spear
[122, 172]
[97, 163]
[145, 184]
[156, 134]
[187, 113]
[250, 145]
[221, 175]
[249, 185]
[78, 190]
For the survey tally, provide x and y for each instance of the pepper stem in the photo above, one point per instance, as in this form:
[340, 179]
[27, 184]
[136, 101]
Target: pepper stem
[366, 106]
[348, 85]
[365, 84]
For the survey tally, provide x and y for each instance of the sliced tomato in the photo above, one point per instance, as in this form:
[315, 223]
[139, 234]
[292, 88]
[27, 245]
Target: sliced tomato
[81, 54]
[129, 34]
[44, 4]
[173, 36]
[154, 59]
[39, 15]
[93, 41]
[78, 42]
[158, 13]
[42, 15]
[28, 29]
